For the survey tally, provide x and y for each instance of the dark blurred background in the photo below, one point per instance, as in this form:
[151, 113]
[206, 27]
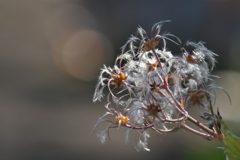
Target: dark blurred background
[51, 52]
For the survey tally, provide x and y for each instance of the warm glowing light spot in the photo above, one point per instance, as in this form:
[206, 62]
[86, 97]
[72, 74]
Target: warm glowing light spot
[81, 53]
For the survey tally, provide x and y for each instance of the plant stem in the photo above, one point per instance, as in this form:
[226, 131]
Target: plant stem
[207, 136]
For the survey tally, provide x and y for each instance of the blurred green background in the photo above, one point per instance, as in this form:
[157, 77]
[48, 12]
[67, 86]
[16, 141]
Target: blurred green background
[51, 52]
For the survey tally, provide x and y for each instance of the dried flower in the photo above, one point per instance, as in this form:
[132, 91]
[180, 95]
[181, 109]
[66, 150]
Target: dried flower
[150, 88]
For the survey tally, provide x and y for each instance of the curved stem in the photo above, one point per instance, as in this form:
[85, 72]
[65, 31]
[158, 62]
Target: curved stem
[175, 120]
[132, 127]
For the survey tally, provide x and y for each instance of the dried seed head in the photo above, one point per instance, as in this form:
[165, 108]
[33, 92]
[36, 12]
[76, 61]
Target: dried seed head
[121, 120]
[196, 97]
[153, 109]
[150, 44]
[154, 86]
[118, 79]
[190, 59]
[152, 66]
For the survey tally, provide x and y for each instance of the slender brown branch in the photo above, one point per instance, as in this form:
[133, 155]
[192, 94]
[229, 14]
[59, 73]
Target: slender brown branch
[203, 127]
[204, 135]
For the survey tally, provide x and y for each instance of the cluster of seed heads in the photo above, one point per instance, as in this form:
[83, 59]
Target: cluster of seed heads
[149, 87]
